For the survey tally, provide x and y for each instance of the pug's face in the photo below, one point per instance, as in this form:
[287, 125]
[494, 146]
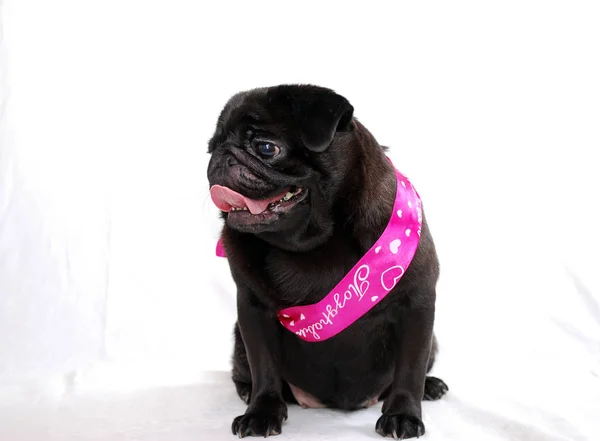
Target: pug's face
[277, 158]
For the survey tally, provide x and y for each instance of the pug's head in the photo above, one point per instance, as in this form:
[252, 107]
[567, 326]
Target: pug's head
[279, 158]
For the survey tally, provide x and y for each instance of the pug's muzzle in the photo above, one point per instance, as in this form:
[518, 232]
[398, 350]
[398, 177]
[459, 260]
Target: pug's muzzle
[248, 199]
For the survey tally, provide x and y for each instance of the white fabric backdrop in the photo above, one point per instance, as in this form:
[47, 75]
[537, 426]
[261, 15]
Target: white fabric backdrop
[107, 275]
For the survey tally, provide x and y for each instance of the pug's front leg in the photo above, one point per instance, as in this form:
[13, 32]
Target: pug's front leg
[402, 408]
[266, 410]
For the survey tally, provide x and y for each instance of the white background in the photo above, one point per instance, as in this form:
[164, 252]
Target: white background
[108, 278]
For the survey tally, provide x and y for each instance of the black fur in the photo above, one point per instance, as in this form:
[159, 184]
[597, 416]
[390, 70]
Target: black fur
[299, 257]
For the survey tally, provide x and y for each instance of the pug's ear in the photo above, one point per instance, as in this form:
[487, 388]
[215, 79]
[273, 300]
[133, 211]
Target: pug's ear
[318, 113]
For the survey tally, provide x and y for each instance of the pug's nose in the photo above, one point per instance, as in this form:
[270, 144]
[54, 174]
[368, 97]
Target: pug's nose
[231, 161]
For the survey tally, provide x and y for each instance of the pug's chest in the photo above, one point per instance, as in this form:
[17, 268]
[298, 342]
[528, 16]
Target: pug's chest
[298, 279]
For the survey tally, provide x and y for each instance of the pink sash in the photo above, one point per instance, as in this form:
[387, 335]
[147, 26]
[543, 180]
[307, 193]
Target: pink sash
[369, 281]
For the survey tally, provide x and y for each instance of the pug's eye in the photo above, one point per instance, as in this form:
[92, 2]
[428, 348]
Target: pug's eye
[267, 149]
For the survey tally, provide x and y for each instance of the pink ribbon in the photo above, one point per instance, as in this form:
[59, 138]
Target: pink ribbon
[369, 281]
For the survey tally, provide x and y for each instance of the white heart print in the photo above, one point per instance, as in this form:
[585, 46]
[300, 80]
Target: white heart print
[394, 245]
[377, 250]
[374, 298]
[407, 232]
[302, 317]
[396, 272]
[409, 204]
[399, 213]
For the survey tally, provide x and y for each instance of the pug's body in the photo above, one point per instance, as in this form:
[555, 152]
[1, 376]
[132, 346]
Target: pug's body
[305, 191]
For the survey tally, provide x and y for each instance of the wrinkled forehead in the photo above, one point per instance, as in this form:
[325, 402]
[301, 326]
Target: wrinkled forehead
[255, 109]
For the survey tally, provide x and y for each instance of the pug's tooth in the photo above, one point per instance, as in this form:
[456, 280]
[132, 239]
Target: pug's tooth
[288, 196]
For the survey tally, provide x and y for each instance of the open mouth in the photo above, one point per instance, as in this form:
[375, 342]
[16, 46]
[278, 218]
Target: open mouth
[244, 210]
[290, 199]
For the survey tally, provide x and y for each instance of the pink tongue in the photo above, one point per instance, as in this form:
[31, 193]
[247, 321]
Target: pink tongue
[225, 199]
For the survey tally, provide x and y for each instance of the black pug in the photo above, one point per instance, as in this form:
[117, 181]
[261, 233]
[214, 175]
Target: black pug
[303, 142]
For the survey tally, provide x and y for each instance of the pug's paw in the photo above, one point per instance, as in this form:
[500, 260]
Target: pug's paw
[434, 389]
[256, 424]
[264, 420]
[400, 426]
[244, 390]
